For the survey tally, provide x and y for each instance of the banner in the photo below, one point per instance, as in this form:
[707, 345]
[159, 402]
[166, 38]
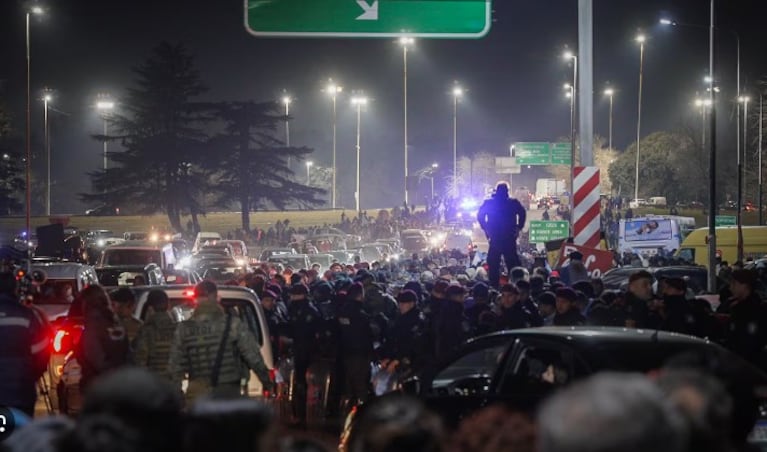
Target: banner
[597, 262]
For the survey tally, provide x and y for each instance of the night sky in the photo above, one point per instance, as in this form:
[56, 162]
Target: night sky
[514, 77]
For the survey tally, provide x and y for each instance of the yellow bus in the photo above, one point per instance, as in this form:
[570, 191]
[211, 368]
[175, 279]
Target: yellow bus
[695, 247]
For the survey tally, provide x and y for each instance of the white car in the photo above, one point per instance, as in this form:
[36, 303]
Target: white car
[639, 202]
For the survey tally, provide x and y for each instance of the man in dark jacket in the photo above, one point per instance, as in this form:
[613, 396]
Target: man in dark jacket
[155, 336]
[747, 334]
[677, 315]
[25, 350]
[502, 218]
[637, 299]
[512, 314]
[405, 348]
[481, 305]
[377, 301]
[355, 335]
[567, 312]
[451, 327]
[303, 327]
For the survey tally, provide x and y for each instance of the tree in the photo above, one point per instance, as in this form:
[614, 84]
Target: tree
[11, 167]
[161, 132]
[664, 160]
[253, 163]
[603, 158]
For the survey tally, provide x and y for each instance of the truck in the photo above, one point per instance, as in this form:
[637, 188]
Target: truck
[549, 187]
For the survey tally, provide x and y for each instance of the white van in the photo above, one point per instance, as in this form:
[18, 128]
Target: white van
[646, 235]
[139, 254]
[203, 237]
[657, 201]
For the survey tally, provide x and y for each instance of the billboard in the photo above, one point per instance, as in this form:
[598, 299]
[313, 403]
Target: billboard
[648, 229]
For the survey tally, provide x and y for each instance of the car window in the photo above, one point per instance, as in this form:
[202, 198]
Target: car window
[131, 257]
[55, 291]
[539, 367]
[473, 372]
[687, 254]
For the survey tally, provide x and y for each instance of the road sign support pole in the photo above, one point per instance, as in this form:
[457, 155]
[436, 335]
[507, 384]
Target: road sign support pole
[712, 158]
[586, 81]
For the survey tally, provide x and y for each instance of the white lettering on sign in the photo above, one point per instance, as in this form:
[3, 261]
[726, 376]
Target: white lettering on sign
[370, 11]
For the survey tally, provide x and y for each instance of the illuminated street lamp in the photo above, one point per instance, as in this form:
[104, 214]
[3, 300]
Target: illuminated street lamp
[405, 42]
[286, 101]
[36, 10]
[742, 156]
[47, 98]
[105, 105]
[609, 92]
[572, 95]
[640, 39]
[334, 90]
[358, 102]
[308, 166]
[457, 94]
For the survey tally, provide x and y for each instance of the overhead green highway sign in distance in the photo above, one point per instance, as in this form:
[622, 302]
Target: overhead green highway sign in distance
[368, 18]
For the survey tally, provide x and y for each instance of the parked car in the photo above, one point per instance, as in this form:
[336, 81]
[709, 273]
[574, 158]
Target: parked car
[124, 276]
[520, 368]
[237, 301]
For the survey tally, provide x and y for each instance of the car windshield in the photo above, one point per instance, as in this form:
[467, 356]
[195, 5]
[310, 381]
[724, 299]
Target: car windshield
[297, 263]
[131, 257]
[413, 242]
[117, 277]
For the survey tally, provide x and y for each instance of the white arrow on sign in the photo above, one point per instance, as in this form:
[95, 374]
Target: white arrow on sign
[371, 11]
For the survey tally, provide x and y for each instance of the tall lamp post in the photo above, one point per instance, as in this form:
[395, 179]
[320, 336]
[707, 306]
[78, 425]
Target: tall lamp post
[609, 92]
[571, 57]
[761, 117]
[308, 166]
[457, 94]
[744, 159]
[286, 100]
[36, 10]
[358, 102]
[641, 40]
[105, 106]
[334, 90]
[47, 98]
[405, 42]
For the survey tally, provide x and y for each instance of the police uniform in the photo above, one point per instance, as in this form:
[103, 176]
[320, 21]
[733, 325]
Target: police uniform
[131, 325]
[407, 341]
[153, 343]
[195, 348]
[23, 356]
[356, 341]
[304, 324]
[502, 218]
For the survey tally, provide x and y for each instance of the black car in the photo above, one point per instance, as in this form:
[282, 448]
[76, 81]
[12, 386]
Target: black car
[696, 277]
[520, 368]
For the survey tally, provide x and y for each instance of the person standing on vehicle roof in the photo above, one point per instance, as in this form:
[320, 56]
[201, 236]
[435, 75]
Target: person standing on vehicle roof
[502, 218]
[210, 348]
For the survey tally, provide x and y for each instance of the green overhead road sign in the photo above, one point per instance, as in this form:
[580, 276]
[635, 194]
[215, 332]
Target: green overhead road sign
[561, 154]
[532, 153]
[726, 220]
[368, 18]
[546, 231]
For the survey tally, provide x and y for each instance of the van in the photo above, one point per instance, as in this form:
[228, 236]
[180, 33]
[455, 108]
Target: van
[646, 235]
[203, 237]
[139, 254]
[694, 249]
[657, 201]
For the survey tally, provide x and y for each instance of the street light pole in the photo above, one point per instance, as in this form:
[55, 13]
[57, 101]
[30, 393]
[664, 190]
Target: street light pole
[746, 100]
[308, 165]
[46, 99]
[405, 42]
[286, 100]
[712, 286]
[609, 92]
[28, 143]
[358, 102]
[334, 90]
[434, 167]
[105, 105]
[641, 40]
[761, 117]
[457, 93]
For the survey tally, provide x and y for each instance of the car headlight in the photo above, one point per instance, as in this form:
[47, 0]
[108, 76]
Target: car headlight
[241, 262]
[184, 262]
[100, 243]
[154, 238]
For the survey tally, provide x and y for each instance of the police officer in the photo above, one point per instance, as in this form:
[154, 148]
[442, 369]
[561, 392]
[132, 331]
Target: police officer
[155, 336]
[25, 351]
[210, 347]
[501, 217]
[405, 348]
[304, 324]
[356, 344]
[451, 327]
[123, 304]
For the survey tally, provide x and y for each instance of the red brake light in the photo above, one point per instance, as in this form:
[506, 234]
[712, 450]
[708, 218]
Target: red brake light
[189, 293]
[58, 338]
[273, 374]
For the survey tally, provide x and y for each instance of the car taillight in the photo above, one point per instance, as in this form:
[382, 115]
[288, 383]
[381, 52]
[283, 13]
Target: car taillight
[58, 339]
[189, 293]
[273, 375]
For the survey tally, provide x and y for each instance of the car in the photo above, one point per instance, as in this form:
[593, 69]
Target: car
[636, 203]
[323, 259]
[696, 276]
[266, 253]
[64, 281]
[239, 301]
[103, 211]
[205, 237]
[296, 261]
[414, 241]
[520, 368]
[343, 257]
[137, 236]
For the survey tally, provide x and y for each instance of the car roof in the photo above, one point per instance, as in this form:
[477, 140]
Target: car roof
[57, 270]
[583, 335]
[136, 244]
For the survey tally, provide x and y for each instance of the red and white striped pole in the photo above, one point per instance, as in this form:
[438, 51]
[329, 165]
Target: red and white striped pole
[586, 220]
